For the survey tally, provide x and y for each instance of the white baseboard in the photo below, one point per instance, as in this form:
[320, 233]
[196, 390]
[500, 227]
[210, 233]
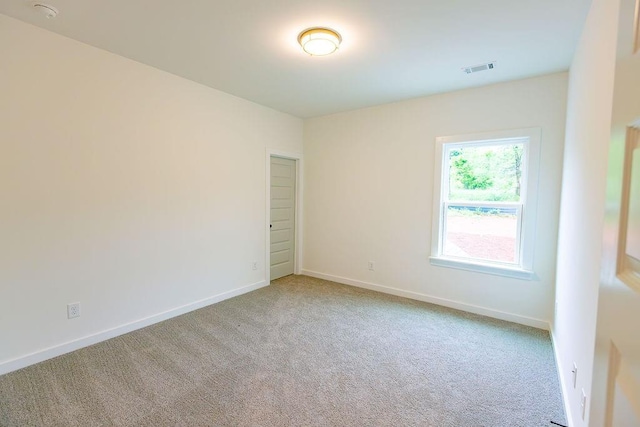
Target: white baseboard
[67, 347]
[563, 383]
[510, 317]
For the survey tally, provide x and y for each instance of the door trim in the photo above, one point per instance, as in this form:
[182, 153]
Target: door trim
[297, 256]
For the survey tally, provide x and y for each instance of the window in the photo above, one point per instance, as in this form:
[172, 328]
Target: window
[485, 195]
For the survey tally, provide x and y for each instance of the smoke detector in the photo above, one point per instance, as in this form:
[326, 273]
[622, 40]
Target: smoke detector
[47, 10]
[481, 67]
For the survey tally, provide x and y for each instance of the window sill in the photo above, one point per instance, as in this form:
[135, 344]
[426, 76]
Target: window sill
[479, 267]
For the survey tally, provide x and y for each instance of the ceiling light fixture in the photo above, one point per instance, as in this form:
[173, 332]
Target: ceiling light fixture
[319, 41]
[47, 10]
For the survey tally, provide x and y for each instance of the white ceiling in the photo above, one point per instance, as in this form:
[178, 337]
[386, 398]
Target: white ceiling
[392, 49]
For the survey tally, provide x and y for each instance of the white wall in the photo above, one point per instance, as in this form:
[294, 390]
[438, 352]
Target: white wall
[583, 199]
[123, 187]
[369, 192]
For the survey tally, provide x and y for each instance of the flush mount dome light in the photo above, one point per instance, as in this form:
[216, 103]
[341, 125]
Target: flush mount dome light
[319, 41]
[47, 10]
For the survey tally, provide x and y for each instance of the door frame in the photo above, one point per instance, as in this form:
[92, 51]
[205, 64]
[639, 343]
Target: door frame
[297, 255]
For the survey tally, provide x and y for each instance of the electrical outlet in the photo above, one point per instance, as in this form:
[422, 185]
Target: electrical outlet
[254, 265]
[574, 374]
[73, 310]
[370, 265]
[583, 404]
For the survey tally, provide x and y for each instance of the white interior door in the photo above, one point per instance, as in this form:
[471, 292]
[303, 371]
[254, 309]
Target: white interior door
[616, 384]
[283, 209]
[618, 329]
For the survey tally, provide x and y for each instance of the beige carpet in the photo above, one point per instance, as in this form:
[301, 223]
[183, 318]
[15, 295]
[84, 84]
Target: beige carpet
[301, 352]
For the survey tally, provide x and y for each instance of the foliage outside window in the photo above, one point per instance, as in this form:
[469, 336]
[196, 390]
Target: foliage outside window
[484, 198]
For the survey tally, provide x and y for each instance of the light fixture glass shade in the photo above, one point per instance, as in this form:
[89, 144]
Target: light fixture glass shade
[47, 10]
[319, 41]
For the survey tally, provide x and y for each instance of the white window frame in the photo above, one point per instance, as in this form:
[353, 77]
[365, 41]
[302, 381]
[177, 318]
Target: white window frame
[526, 208]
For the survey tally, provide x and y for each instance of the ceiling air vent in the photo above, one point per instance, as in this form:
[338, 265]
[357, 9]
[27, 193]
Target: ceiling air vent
[482, 67]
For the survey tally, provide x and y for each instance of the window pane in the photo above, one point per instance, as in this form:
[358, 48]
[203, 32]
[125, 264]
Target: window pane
[482, 233]
[486, 173]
